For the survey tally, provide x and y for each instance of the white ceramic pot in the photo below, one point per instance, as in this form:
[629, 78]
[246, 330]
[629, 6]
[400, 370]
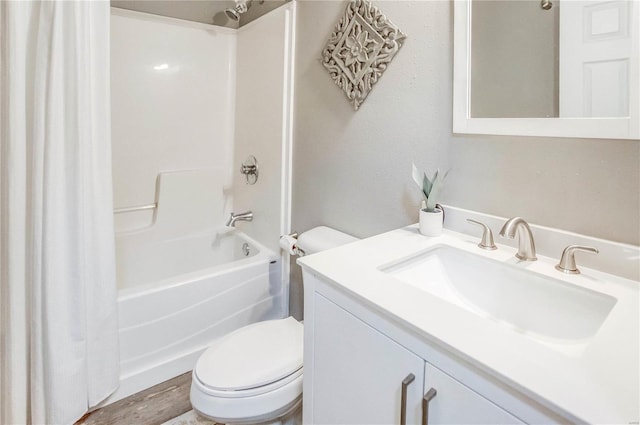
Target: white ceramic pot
[431, 222]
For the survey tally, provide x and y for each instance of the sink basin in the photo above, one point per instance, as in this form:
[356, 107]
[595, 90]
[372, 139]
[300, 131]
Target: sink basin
[539, 306]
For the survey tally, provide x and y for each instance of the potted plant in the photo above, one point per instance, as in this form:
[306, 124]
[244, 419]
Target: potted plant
[431, 214]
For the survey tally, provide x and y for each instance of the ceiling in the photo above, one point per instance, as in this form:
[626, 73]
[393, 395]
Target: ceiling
[204, 11]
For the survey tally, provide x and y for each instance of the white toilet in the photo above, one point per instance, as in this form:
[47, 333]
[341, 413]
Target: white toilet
[254, 374]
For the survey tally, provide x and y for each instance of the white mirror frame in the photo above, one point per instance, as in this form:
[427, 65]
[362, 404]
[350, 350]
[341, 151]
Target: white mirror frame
[599, 128]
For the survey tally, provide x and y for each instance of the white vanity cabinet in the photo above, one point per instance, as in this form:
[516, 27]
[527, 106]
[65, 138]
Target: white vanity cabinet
[543, 348]
[358, 372]
[454, 403]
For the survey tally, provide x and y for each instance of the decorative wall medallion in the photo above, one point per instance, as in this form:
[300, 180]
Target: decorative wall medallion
[361, 46]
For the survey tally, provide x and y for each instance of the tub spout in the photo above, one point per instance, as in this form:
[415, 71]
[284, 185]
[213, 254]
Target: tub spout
[245, 216]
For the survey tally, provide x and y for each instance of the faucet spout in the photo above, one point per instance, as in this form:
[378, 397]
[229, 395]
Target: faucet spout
[245, 216]
[526, 246]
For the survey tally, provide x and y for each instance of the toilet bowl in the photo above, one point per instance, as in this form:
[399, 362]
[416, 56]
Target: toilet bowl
[253, 375]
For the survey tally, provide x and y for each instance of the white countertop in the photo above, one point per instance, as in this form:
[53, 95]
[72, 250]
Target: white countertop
[600, 384]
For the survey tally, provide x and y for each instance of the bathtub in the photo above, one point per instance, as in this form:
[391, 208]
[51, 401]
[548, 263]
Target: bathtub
[177, 296]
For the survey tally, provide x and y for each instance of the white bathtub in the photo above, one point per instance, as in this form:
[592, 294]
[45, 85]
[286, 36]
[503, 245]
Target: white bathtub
[177, 296]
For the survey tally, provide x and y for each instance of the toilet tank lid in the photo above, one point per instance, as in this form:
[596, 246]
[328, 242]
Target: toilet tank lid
[321, 238]
[253, 356]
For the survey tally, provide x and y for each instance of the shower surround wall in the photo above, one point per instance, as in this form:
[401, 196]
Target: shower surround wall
[263, 128]
[174, 113]
[173, 90]
[263, 115]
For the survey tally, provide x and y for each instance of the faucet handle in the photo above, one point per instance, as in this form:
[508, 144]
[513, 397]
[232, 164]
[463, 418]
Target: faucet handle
[487, 236]
[568, 260]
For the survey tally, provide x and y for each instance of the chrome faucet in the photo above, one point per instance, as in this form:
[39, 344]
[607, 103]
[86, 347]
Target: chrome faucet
[245, 216]
[526, 247]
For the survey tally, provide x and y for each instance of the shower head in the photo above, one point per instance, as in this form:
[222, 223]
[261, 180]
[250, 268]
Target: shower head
[241, 7]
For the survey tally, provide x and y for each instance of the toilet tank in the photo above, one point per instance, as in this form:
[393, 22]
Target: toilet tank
[321, 238]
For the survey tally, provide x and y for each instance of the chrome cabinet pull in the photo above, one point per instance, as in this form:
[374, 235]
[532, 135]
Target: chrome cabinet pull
[425, 405]
[403, 400]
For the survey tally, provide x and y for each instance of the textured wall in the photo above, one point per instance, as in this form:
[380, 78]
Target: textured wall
[352, 169]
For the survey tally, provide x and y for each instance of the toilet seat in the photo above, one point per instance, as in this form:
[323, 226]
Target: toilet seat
[254, 356]
[252, 373]
[249, 392]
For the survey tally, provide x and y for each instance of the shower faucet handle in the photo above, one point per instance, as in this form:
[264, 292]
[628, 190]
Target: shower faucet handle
[250, 169]
[487, 236]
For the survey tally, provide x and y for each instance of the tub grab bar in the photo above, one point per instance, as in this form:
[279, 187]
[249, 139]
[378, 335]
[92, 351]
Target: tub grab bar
[132, 209]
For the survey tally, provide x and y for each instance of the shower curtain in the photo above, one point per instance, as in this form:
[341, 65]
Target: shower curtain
[58, 317]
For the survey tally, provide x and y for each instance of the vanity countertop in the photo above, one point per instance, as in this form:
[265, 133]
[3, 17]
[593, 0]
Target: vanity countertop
[599, 383]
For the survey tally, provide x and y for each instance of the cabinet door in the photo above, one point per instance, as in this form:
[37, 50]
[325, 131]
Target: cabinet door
[358, 372]
[454, 403]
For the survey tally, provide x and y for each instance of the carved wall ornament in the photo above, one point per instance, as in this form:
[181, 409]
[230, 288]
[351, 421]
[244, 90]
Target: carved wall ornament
[359, 50]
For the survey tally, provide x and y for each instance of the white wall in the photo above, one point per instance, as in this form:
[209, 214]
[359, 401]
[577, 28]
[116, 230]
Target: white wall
[198, 112]
[264, 96]
[262, 123]
[172, 104]
[352, 169]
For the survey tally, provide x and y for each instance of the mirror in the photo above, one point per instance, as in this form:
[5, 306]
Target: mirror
[567, 68]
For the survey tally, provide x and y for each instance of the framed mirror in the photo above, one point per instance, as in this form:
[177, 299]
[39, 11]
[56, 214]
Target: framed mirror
[561, 68]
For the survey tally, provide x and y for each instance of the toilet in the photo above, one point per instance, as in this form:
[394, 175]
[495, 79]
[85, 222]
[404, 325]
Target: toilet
[253, 375]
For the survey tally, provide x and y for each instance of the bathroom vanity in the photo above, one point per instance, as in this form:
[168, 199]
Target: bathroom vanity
[401, 328]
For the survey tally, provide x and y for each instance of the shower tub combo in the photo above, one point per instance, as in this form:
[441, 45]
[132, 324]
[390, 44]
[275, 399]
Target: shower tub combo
[177, 296]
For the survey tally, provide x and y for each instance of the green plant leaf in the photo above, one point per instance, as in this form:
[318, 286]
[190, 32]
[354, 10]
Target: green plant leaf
[420, 181]
[426, 185]
[430, 188]
[433, 180]
[436, 189]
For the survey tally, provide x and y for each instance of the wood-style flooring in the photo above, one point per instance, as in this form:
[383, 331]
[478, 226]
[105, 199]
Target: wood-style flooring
[153, 406]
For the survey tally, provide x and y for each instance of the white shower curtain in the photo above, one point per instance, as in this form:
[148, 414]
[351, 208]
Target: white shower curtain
[58, 317]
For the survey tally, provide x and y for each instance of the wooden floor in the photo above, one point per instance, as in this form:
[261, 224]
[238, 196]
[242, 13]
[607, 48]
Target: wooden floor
[153, 406]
